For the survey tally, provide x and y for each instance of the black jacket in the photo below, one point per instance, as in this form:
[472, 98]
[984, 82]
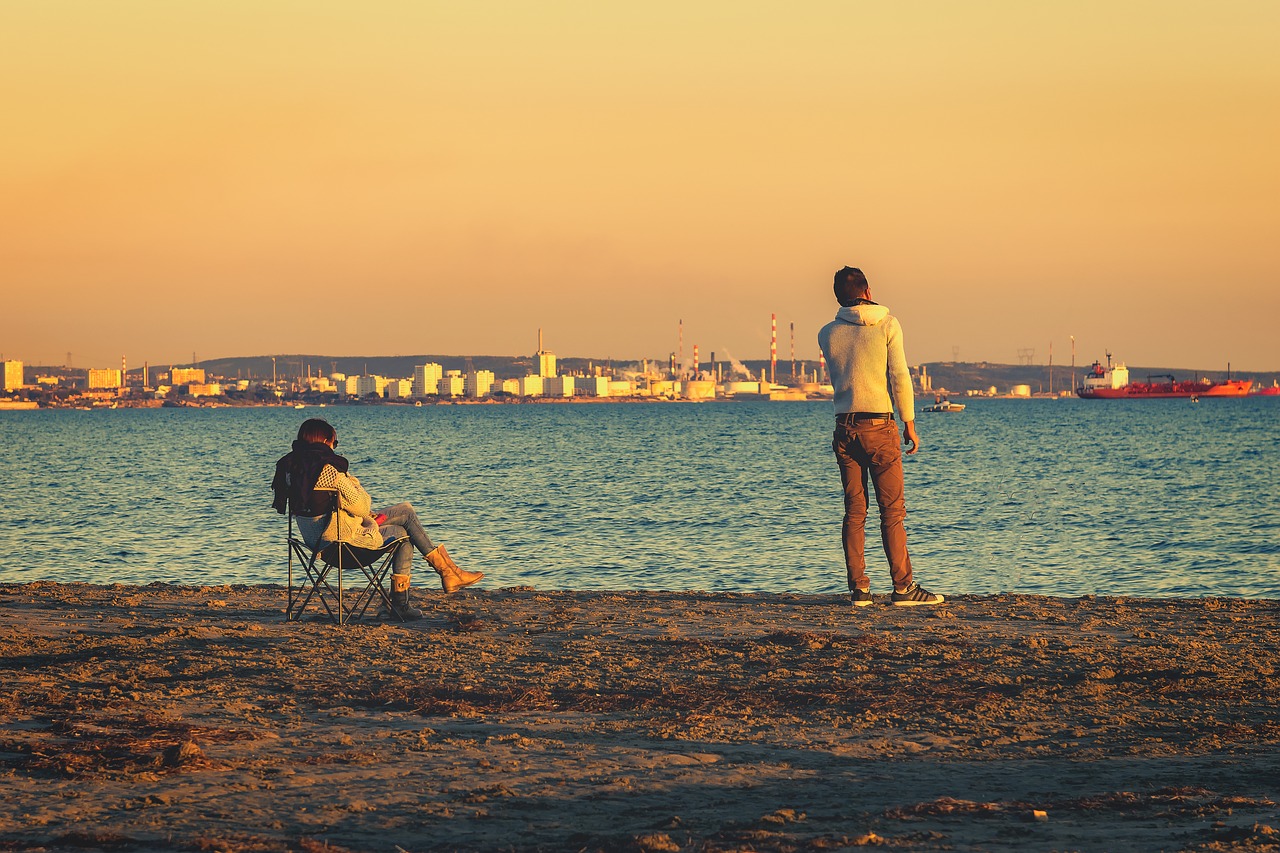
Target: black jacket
[296, 475]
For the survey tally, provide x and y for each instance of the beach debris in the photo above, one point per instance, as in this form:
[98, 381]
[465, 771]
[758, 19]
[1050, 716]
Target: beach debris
[1039, 815]
[944, 806]
[182, 753]
[656, 842]
[784, 816]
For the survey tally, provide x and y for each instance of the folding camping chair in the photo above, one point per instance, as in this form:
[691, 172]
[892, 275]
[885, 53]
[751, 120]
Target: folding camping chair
[322, 575]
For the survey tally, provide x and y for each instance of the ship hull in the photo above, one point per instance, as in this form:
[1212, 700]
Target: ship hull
[1143, 391]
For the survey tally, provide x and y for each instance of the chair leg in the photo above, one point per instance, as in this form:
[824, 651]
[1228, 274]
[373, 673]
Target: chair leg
[324, 582]
[318, 588]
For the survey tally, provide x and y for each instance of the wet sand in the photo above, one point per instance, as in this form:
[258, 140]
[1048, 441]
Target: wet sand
[187, 718]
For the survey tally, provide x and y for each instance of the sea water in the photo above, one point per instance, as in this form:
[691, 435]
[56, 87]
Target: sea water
[1055, 497]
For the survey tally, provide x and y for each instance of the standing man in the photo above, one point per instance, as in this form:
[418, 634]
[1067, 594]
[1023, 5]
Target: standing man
[863, 348]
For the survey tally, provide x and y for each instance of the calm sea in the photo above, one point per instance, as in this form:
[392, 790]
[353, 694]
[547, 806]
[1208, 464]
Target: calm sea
[1058, 497]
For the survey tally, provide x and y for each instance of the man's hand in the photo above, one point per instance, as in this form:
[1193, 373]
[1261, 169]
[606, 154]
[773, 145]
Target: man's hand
[910, 437]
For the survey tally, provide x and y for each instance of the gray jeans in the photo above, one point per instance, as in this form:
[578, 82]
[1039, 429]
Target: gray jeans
[402, 520]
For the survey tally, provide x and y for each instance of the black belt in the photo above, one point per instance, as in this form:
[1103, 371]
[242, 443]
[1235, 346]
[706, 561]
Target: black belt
[857, 417]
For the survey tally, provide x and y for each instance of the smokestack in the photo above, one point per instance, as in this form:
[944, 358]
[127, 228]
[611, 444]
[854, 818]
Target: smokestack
[539, 341]
[681, 346]
[793, 353]
[773, 348]
[124, 373]
[695, 361]
[822, 362]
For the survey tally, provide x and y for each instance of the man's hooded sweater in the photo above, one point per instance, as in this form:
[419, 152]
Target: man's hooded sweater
[863, 348]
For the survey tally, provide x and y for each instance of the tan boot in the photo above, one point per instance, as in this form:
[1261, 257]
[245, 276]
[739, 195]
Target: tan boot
[452, 578]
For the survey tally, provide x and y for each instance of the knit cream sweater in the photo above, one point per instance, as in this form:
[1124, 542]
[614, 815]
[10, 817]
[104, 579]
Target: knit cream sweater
[868, 366]
[353, 523]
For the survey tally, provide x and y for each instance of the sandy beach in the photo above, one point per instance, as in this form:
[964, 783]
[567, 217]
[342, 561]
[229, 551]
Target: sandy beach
[196, 719]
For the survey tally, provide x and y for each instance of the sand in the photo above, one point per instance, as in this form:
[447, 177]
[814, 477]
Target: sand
[188, 718]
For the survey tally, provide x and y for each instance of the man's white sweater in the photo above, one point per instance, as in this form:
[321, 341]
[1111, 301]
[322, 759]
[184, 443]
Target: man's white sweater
[863, 348]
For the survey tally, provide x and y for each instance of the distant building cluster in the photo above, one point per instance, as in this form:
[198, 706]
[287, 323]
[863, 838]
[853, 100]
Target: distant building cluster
[432, 381]
[193, 385]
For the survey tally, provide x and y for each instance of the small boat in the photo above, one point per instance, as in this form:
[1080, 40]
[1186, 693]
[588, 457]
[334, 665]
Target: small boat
[299, 405]
[941, 405]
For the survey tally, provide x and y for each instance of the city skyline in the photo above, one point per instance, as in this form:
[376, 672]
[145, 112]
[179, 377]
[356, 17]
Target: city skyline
[237, 179]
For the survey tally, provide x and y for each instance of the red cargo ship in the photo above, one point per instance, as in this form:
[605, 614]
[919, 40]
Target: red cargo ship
[1112, 383]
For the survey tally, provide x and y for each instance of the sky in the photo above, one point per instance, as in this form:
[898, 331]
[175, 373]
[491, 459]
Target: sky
[233, 178]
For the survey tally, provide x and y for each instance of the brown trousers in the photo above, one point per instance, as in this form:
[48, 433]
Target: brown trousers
[872, 449]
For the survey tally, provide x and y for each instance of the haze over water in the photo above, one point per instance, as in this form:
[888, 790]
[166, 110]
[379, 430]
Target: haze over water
[1150, 498]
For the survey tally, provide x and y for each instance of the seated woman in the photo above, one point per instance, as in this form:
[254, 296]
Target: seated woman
[312, 464]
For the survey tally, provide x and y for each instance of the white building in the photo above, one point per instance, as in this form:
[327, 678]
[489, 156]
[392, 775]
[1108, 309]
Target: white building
[204, 389]
[479, 384]
[511, 386]
[426, 379]
[100, 378]
[531, 386]
[592, 386]
[546, 364]
[366, 385]
[452, 384]
[546, 360]
[12, 375]
[557, 386]
[399, 389]
[351, 386]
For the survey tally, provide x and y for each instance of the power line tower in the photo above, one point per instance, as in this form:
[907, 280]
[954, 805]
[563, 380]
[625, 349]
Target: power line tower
[1026, 355]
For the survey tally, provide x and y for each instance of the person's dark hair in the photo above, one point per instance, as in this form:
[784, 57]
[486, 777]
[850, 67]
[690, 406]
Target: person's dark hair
[850, 286]
[315, 429]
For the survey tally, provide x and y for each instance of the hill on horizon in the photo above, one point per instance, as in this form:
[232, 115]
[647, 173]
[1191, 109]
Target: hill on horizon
[955, 377]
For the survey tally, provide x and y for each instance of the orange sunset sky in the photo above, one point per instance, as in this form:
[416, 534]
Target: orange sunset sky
[376, 178]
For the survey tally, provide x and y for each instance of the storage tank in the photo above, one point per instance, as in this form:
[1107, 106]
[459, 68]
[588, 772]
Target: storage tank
[700, 389]
[1021, 391]
[742, 388]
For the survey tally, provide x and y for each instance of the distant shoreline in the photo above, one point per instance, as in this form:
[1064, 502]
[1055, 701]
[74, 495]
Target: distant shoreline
[486, 401]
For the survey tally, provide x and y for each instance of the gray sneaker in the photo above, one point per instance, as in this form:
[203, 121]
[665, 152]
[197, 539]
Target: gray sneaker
[860, 597]
[916, 596]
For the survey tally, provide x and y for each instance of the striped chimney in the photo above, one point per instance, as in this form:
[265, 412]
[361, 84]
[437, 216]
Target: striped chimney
[773, 349]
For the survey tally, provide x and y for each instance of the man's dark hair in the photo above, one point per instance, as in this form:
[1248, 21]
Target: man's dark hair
[850, 286]
[317, 430]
